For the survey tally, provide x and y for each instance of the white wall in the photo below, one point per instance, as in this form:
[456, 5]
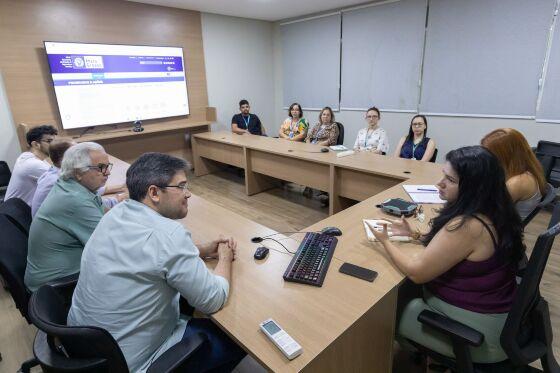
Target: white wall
[448, 132]
[238, 55]
[9, 144]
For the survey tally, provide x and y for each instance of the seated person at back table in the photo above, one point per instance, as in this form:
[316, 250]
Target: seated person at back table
[469, 263]
[68, 216]
[31, 164]
[295, 127]
[246, 123]
[45, 183]
[416, 145]
[325, 132]
[524, 174]
[372, 138]
[140, 260]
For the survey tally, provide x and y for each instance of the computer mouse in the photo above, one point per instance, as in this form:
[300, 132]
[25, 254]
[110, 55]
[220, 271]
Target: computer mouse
[324, 150]
[331, 231]
[261, 253]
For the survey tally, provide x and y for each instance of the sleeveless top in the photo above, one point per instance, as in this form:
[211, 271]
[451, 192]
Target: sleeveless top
[485, 287]
[525, 207]
[409, 150]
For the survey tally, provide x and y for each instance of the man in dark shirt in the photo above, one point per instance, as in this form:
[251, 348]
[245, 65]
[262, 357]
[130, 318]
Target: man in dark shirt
[244, 122]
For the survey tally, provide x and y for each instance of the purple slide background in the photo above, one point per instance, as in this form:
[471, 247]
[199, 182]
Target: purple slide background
[62, 63]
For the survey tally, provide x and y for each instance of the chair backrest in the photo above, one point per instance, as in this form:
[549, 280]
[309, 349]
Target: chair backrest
[433, 159]
[5, 174]
[18, 212]
[13, 260]
[548, 153]
[48, 313]
[527, 334]
[548, 198]
[340, 139]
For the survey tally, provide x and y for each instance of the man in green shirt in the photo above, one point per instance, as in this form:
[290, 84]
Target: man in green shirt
[68, 216]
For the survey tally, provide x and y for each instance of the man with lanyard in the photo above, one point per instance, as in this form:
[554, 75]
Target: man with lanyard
[245, 122]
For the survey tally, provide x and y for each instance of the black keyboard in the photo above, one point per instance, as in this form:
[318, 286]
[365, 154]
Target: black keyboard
[311, 261]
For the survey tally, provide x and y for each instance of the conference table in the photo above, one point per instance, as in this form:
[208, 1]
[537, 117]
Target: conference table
[347, 324]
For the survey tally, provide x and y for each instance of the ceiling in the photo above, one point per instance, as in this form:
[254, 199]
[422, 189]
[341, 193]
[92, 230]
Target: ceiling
[268, 10]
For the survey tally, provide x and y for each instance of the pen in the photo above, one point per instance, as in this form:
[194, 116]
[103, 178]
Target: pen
[427, 190]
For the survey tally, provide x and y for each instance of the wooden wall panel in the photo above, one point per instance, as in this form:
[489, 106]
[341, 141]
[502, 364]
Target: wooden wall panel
[25, 24]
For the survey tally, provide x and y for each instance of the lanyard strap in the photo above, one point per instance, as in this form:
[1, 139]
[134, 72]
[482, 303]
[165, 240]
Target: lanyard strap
[246, 121]
[414, 146]
[366, 138]
[292, 128]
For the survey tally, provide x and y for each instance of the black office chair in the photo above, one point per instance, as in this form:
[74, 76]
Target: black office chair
[527, 333]
[546, 200]
[5, 175]
[433, 159]
[62, 348]
[18, 212]
[340, 139]
[548, 153]
[13, 260]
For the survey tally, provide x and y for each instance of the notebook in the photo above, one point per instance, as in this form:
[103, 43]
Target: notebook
[377, 223]
[423, 193]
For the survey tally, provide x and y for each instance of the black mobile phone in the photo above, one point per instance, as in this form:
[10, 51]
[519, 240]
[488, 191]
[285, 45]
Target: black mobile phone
[359, 272]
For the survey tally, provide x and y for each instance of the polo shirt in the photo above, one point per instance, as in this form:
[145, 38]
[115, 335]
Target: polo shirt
[59, 232]
[253, 121]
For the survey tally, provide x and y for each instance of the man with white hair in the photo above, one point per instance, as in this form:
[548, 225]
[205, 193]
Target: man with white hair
[68, 216]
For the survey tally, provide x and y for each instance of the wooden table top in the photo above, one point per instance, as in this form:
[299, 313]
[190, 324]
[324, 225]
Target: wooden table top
[314, 317]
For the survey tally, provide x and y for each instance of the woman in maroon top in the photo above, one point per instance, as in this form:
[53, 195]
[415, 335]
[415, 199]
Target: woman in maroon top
[469, 263]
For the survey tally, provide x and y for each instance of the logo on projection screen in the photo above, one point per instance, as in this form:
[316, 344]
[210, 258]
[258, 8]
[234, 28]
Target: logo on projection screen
[78, 62]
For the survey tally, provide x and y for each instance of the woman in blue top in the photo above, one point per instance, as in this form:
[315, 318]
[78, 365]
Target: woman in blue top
[416, 145]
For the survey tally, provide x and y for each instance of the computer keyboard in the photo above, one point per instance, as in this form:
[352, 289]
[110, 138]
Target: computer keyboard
[311, 261]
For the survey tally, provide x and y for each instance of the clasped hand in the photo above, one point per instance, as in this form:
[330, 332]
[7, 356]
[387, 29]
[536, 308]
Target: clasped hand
[218, 247]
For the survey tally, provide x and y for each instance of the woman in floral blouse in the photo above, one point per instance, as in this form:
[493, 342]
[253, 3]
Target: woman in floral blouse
[295, 126]
[326, 131]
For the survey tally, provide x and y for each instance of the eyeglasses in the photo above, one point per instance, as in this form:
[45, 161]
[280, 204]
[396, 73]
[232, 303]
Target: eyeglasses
[183, 187]
[104, 168]
[417, 124]
[372, 116]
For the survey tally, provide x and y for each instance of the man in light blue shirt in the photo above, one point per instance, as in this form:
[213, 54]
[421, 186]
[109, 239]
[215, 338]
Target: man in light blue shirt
[139, 261]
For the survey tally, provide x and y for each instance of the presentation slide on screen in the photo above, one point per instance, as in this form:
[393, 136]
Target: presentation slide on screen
[98, 84]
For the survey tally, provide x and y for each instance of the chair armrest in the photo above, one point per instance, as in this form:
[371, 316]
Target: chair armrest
[51, 359]
[65, 282]
[452, 328]
[176, 355]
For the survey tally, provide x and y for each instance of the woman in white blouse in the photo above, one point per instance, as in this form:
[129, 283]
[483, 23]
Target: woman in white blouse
[373, 138]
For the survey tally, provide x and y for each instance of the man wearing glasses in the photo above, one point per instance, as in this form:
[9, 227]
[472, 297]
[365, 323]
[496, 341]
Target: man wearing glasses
[139, 261]
[31, 164]
[68, 216]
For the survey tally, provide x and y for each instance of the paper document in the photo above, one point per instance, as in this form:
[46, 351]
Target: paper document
[338, 148]
[423, 193]
[377, 223]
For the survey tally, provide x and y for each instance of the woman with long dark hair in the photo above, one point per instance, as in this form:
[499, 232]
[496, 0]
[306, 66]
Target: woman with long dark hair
[416, 145]
[470, 258]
